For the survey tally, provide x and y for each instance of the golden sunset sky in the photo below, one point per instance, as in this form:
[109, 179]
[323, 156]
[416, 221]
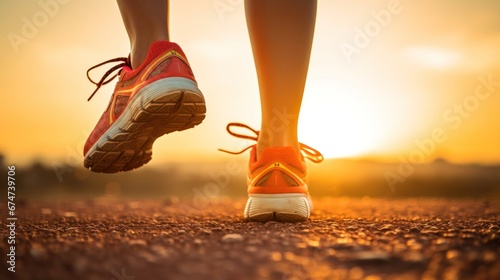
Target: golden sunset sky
[384, 77]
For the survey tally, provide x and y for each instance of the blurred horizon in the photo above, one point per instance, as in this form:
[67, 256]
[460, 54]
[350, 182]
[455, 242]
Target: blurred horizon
[76, 160]
[388, 81]
[210, 182]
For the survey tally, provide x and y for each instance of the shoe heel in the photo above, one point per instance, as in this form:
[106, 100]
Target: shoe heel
[273, 207]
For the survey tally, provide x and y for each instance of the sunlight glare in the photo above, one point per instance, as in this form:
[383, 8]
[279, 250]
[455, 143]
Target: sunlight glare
[433, 57]
[338, 121]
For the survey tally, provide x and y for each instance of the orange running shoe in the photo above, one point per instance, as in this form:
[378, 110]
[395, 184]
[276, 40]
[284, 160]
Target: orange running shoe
[277, 181]
[159, 97]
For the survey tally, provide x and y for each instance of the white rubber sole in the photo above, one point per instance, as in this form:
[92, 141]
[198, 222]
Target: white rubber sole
[162, 107]
[288, 207]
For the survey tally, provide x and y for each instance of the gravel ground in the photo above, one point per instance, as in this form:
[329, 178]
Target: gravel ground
[345, 239]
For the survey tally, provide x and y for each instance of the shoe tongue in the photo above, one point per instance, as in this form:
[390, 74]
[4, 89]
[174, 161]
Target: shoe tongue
[129, 62]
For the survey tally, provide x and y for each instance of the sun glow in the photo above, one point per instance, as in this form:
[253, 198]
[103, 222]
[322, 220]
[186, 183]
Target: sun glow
[338, 121]
[433, 57]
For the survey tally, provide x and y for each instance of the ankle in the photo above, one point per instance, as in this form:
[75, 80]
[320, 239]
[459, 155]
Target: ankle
[137, 56]
[139, 49]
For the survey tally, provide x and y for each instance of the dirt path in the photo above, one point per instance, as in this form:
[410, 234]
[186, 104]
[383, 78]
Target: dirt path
[345, 239]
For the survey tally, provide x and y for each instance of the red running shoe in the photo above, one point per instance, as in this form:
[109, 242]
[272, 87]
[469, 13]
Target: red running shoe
[277, 181]
[159, 97]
